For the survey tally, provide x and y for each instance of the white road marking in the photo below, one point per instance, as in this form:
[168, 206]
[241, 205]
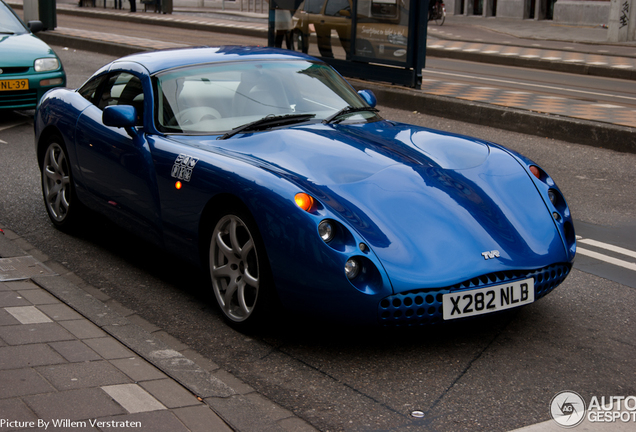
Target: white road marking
[9, 126]
[608, 246]
[605, 258]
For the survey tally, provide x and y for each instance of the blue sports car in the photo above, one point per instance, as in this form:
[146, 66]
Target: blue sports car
[270, 170]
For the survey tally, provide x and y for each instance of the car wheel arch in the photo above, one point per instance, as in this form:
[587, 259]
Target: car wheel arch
[212, 210]
[215, 212]
[45, 137]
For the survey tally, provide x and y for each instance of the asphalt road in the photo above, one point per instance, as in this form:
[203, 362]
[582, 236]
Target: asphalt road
[495, 374]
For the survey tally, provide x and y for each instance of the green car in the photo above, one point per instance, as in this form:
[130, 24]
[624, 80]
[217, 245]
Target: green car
[28, 66]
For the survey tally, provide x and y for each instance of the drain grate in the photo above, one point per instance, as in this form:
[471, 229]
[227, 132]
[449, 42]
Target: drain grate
[20, 268]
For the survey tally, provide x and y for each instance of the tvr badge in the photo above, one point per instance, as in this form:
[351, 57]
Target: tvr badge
[490, 254]
[183, 166]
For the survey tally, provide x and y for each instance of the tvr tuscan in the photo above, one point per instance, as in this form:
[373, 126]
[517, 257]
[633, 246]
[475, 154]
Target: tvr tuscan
[285, 183]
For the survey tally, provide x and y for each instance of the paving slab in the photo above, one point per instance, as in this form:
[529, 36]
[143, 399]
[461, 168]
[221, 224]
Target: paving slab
[75, 351]
[133, 398]
[82, 404]
[170, 393]
[28, 356]
[82, 375]
[83, 329]
[34, 333]
[138, 369]
[156, 421]
[198, 419]
[28, 315]
[22, 382]
[109, 348]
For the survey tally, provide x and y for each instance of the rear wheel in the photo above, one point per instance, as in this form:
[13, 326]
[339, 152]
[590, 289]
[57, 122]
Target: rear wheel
[239, 270]
[58, 190]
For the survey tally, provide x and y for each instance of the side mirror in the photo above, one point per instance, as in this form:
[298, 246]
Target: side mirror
[124, 116]
[35, 26]
[345, 13]
[120, 116]
[368, 97]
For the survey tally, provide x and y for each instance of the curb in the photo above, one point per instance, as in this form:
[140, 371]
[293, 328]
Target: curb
[190, 24]
[101, 47]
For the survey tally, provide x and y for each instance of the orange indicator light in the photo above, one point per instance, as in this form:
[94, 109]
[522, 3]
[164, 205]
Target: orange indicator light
[534, 170]
[178, 185]
[304, 201]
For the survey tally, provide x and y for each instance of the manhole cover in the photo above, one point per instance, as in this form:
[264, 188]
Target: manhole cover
[22, 268]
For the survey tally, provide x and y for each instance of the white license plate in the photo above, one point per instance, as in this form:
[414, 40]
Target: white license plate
[485, 300]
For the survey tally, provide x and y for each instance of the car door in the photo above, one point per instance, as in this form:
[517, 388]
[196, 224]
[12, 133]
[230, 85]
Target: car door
[116, 164]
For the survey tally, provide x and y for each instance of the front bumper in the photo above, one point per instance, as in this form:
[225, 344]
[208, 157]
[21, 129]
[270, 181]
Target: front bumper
[424, 307]
[28, 99]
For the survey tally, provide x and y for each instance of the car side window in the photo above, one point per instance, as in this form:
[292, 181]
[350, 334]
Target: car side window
[89, 90]
[123, 89]
[335, 6]
[313, 6]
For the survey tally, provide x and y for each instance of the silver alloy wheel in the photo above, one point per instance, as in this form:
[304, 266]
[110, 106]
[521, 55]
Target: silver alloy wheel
[234, 268]
[56, 182]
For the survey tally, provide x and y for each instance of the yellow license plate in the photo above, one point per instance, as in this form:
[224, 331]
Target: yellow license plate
[13, 85]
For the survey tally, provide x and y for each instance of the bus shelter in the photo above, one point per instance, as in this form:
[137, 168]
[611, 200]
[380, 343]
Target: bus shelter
[380, 40]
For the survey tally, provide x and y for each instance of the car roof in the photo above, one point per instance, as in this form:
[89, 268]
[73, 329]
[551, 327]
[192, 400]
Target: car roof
[157, 61]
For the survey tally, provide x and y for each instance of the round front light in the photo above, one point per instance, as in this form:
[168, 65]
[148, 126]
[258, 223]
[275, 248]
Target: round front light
[326, 231]
[46, 64]
[553, 197]
[352, 268]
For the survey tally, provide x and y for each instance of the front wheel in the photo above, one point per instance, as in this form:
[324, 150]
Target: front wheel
[58, 190]
[239, 269]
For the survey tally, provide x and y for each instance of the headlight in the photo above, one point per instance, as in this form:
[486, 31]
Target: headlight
[352, 268]
[46, 64]
[326, 231]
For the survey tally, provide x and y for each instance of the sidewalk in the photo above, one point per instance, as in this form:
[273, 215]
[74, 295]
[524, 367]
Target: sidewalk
[72, 359]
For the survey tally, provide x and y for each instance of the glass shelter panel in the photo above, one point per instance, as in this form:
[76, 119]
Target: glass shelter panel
[382, 31]
[374, 39]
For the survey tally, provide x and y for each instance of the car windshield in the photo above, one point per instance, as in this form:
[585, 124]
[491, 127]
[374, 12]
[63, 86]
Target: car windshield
[211, 99]
[9, 24]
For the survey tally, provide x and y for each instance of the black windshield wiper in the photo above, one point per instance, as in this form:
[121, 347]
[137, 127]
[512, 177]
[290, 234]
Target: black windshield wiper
[347, 110]
[267, 122]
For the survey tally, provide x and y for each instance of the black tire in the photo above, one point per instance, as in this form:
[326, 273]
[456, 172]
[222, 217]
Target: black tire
[58, 190]
[239, 270]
